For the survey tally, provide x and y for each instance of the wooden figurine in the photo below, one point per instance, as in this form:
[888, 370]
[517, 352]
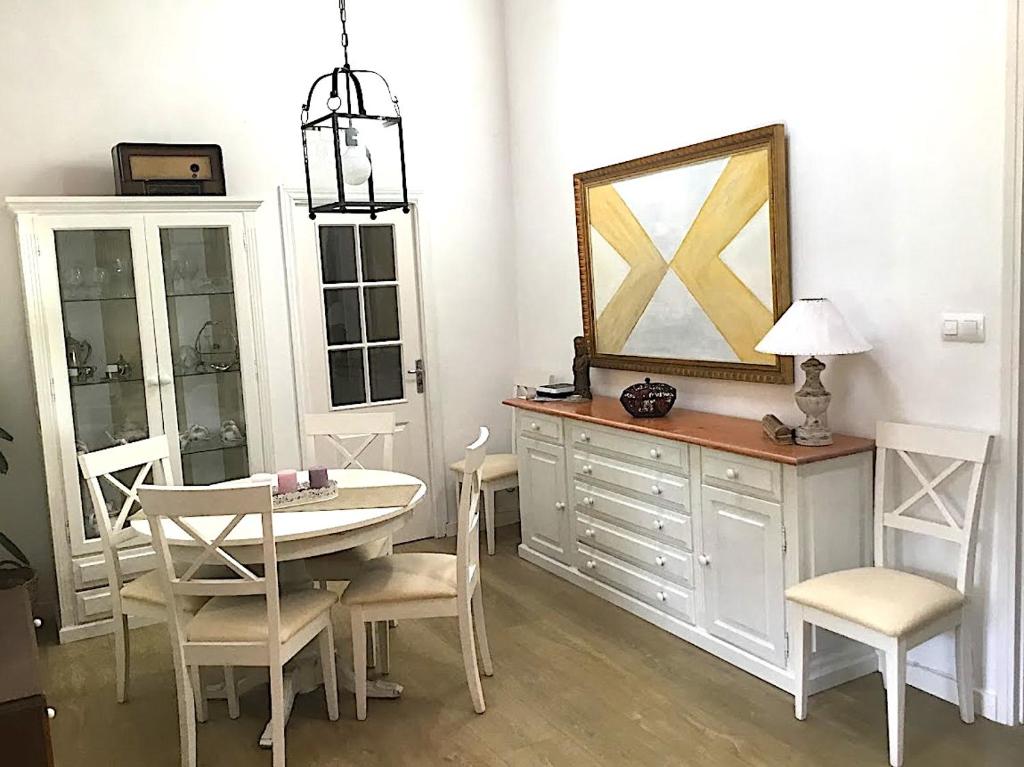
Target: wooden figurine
[581, 368]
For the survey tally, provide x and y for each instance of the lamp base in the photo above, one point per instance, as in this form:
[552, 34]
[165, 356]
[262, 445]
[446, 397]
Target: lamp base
[813, 401]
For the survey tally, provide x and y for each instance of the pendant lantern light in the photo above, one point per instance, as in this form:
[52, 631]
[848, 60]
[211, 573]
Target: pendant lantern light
[348, 156]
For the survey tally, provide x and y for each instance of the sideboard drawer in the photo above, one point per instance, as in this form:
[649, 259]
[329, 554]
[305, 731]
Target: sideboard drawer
[654, 450]
[658, 486]
[93, 605]
[92, 570]
[748, 476]
[670, 526]
[540, 426]
[659, 559]
[660, 594]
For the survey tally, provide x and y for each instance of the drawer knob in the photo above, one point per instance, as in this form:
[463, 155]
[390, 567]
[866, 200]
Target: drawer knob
[659, 561]
[591, 564]
[732, 473]
[589, 533]
[535, 426]
[704, 559]
[656, 489]
[655, 453]
[588, 501]
[50, 712]
[588, 469]
[662, 596]
[584, 437]
[560, 505]
[659, 524]
[37, 622]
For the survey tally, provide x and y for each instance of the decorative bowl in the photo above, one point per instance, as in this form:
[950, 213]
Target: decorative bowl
[648, 400]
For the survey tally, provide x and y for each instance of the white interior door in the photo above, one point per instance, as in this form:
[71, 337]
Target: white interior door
[359, 312]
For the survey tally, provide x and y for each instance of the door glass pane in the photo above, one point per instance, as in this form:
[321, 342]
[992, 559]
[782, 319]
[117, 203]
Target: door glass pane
[377, 246]
[102, 350]
[385, 373]
[338, 254]
[204, 345]
[341, 307]
[382, 313]
[345, 368]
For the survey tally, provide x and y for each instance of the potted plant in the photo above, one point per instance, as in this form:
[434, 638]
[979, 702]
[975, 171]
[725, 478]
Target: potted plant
[15, 569]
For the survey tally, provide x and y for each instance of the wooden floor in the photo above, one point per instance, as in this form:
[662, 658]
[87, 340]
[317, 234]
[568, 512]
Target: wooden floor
[577, 682]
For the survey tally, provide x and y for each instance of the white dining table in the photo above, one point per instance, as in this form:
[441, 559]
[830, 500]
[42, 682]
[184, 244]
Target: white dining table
[300, 533]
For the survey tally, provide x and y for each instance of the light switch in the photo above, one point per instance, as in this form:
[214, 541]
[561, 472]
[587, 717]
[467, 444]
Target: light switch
[963, 327]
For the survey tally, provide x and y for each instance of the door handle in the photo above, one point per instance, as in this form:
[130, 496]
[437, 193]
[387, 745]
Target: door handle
[420, 374]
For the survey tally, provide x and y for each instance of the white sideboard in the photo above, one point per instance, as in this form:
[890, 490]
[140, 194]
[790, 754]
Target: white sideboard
[696, 523]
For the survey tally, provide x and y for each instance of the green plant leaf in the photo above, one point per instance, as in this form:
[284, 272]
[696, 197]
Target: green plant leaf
[4, 434]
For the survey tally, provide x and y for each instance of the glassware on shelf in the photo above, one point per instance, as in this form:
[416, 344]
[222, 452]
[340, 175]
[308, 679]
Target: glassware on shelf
[100, 287]
[121, 279]
[230, 433]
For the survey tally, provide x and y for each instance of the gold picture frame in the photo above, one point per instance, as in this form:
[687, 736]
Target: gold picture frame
[684, 258]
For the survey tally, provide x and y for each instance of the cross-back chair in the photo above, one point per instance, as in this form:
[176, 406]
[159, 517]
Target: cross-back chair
[889, 609]
[429, 585]
[247, 621]
[144, 596]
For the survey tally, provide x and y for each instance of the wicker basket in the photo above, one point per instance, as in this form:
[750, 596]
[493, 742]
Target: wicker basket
[648, 400]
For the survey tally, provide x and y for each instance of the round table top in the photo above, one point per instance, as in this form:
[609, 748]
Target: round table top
[296, 524]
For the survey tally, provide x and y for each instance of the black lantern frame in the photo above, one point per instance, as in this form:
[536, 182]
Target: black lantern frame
[338, 122]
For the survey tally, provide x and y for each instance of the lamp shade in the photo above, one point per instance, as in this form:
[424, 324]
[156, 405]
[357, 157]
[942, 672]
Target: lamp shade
[812, 326]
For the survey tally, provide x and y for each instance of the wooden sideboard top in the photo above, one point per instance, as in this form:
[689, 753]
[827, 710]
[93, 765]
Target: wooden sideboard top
[721, 432]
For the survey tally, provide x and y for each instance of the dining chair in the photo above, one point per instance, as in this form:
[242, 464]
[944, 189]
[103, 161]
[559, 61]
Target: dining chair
[890, 609]
[498, 472]
[247, 620]
[144, 596]
[340, 430]
[429, 585]
[353, 436]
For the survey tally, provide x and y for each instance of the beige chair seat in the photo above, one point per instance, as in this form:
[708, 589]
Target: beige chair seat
[244, 619]
[345, 565]
[404, 577]
[495, 466]
[891, 602]
[148, 590]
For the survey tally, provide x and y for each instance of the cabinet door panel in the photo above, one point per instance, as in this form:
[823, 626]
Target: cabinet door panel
[94, 278]
[545, 515]
[743, 572]
[199, 280]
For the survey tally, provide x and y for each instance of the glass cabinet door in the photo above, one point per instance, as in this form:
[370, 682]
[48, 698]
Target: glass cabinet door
[199, 285]
[111, 377]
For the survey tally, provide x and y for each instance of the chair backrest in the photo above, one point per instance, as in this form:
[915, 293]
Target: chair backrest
[139, 460]
[352, 434]
[468, 542]
[207, 516]
[953, 519]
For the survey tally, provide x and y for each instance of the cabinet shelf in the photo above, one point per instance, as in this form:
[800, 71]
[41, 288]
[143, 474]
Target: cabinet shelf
[187, 294]
[207, 373]
[210, 446]
[96, 299]
[104, 381]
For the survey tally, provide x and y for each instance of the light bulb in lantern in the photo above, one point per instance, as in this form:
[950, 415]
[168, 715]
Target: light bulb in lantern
[355, 161]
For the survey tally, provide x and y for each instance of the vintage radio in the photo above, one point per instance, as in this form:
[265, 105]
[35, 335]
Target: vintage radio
[168, 169]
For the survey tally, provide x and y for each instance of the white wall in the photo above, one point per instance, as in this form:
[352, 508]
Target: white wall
[79, 77]
[895, 113]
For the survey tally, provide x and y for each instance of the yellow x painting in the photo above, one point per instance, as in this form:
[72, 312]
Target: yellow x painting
[683, 258]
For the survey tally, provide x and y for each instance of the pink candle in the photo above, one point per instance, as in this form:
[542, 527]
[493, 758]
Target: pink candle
[287, 481]
[318, 476]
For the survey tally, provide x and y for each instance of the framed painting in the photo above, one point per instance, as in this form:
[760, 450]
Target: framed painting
[684, 258]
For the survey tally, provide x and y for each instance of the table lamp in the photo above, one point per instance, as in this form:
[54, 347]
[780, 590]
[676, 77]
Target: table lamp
[812, 326]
